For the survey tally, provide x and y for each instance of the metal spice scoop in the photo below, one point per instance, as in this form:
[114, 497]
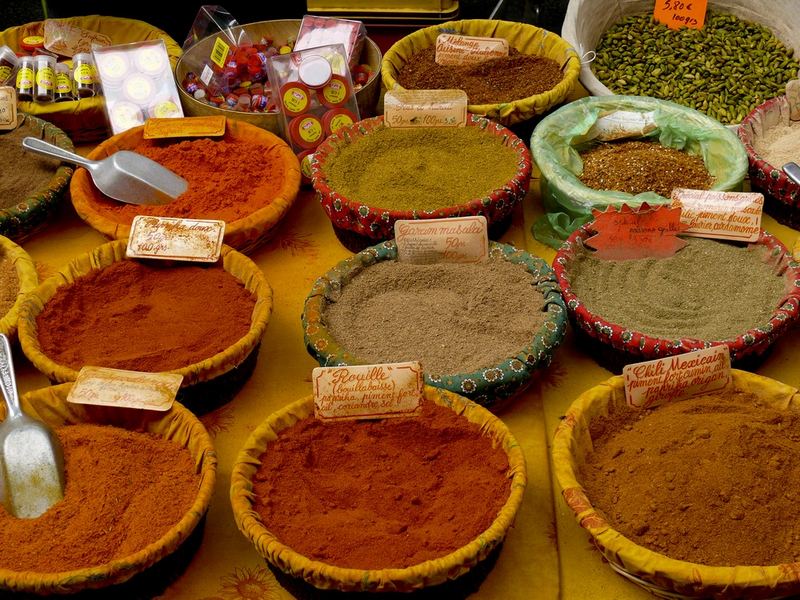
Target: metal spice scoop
[31, 457]
[124, 176]
[792, 170]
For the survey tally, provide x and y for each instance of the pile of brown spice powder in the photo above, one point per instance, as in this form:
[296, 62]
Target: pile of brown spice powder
[9, 284]
[453, 318]
[22, 174]
[636, 167]
[124, 491]
[708, 290]
[494, 81]
[713, 479]
[381, 494]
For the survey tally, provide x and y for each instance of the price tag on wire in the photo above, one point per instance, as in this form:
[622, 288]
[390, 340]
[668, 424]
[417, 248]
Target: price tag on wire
[680, 13]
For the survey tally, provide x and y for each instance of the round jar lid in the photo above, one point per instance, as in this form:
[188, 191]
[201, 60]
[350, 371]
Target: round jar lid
[336, 92]
[315, 71]
[335, 119]
[306, 131]
[295, 98]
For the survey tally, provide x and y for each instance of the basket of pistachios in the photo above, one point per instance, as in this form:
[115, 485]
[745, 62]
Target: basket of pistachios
[743, 54]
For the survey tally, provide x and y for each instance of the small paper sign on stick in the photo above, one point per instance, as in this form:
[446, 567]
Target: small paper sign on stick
[126, 389]
[654, 382]
[793, 98]
[720, 215]
[681, 13]
[169, 238]
[425, 108]
[625, 233]
[367, 391]
[456, 50]
[184, 127]
[454, 240]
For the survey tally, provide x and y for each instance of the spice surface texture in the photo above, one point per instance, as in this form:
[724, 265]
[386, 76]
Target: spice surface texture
[381, 494]
[713, 479]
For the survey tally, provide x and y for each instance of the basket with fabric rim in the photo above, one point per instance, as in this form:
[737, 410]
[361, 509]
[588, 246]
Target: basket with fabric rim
[528, 39]
[158, 560]
[327, 576]
[486, 386]
[376, 223]
[206, 383]
[615, 346]
[28, 280]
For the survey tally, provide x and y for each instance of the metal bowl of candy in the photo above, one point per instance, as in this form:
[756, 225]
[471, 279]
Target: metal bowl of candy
[251, 103]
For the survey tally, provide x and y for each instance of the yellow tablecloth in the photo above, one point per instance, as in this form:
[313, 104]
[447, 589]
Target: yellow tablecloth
[546, 554]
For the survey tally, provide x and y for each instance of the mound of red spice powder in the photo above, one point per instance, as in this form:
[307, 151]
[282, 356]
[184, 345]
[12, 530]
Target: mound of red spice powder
[381, 494]
[145, 316]
[228, 179]
[124, 491]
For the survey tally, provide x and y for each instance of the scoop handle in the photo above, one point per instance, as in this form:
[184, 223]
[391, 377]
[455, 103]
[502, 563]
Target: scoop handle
[792, 170]
[8, 382]
[37, 146]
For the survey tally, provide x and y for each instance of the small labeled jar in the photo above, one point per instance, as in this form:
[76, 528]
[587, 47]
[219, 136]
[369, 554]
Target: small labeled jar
[306, 131]
[8, 64]
[125, 115]
[63, 91]
[83, 77]
[335, 93]
[305, 165]
[45, 67]
[139, 88]
[165, 108]
[32, 43]
[151, 60]
[25, 81]
[336, 118]
[113, 67]
[295, 98]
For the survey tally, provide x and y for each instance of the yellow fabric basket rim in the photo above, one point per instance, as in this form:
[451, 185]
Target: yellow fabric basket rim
[351, 579]
[28, 280]
[121, 569]
[200, 371]
[429, 34]
[648, 563]
[263, 218]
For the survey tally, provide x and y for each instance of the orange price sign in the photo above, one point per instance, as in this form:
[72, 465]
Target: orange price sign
[680, 13]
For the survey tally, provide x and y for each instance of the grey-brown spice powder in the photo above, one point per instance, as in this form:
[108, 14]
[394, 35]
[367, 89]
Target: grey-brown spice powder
[709, 290]
[453, 318]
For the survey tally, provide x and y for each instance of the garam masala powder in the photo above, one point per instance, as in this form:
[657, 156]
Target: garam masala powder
[381, 494]
[124, 491]
[144, 316]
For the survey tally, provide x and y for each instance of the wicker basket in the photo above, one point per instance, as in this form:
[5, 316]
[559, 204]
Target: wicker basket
[326, 576]
[85, 120]
[486, 386]
[206, 383]
[781, 194]
[613, 346]
[159, 559]
[367, 225]
[28, 280]
[32, 213]
[659, 574]
[244, 234]
[525, 38]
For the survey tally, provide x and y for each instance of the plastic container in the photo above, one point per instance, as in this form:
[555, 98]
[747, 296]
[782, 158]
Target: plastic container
[326, 576]
[662, 576]
[206, 383]
[358, 225]
[781, 194]
[568, 203]
[487, 386]
[26, 79]
[243, 234]
[154, 566]
[44, 90]
[614, 346]
[525, 38]
[83, 78]
[63, 88]
[8, 65]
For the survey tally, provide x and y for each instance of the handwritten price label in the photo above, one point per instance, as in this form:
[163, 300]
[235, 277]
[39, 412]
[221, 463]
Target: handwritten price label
[720, 215]
[654, 382]
[456, 50]
[627, 233]
[127, 389]
[454, 240]
[8, 108]
[425, 108]
[680, 13]
[169, 238]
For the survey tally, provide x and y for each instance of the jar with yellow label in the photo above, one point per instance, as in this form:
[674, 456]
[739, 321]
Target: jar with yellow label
[25, 79]
[8, 63]
[45, 78]
[83, 75]
[63, 91]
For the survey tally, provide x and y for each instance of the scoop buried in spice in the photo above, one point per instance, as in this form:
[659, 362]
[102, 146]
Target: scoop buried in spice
[31, 457]
[125, 176]
[792, 170]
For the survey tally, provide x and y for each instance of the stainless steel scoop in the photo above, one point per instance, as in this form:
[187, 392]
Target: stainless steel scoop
[124, 176]
[792, 169]
[31, 457]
